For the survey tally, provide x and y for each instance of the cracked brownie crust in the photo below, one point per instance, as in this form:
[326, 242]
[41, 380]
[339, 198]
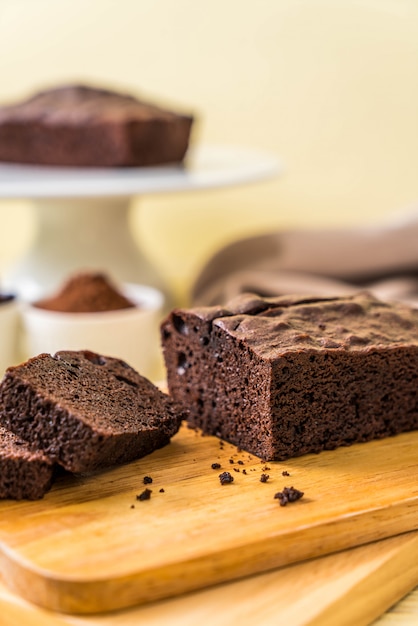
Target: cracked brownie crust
[284, 376]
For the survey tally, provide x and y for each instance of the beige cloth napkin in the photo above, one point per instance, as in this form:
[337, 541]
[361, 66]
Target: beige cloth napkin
[382, 258]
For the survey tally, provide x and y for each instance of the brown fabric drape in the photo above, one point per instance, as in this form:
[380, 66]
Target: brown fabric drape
[382, 258]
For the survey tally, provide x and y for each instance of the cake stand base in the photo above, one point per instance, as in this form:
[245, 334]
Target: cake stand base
[76, 234]
[82, 214]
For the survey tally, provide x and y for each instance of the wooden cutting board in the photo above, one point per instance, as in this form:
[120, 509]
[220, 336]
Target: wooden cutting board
[351, 587]
[91, 546]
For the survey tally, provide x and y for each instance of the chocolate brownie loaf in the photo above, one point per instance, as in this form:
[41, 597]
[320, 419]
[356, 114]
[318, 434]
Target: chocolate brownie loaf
[81, 126]
[86, 411]
[284, 376]
[24, 474]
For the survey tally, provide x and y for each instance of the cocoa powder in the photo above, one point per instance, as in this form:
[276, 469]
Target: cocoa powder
[86, 293]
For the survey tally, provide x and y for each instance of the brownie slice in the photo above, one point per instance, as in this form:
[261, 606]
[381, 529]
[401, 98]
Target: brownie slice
[77, 125]
[284, 376]
[24, 474]
[85, 410]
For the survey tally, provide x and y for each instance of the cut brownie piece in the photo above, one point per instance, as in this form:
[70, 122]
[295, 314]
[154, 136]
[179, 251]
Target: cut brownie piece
[284, 376]
[81, 126]
[24, 474]
[86, 411]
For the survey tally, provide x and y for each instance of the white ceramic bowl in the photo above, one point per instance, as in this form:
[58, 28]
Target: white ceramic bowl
[9, 330]
[129, 334]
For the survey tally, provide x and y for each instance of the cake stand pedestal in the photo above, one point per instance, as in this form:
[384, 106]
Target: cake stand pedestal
[76, 234]
[83, 214]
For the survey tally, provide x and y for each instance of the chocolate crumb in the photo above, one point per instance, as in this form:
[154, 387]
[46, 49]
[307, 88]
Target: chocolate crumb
[132, 506]
[147, 480]
[162, 490]
[236, 469]
[226, 478]
[231, 461]
[145, 495]
[244, 471]
[216, 466]
[265, 468]
[285, 473]
[264, 478]
[289, 494]
[240, 462]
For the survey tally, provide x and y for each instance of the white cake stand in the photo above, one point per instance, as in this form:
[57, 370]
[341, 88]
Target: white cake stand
[82, 214]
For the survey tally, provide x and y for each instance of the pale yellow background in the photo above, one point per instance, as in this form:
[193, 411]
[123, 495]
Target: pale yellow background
[330, 87]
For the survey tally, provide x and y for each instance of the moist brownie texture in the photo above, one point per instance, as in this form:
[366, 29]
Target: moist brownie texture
[78, 125]
[24, 474]
[86, 411]
[284, 376]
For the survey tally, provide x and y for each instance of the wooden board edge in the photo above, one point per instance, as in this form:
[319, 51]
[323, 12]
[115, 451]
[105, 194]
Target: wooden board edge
[374, 583]
[369, 598]
[79, 596]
